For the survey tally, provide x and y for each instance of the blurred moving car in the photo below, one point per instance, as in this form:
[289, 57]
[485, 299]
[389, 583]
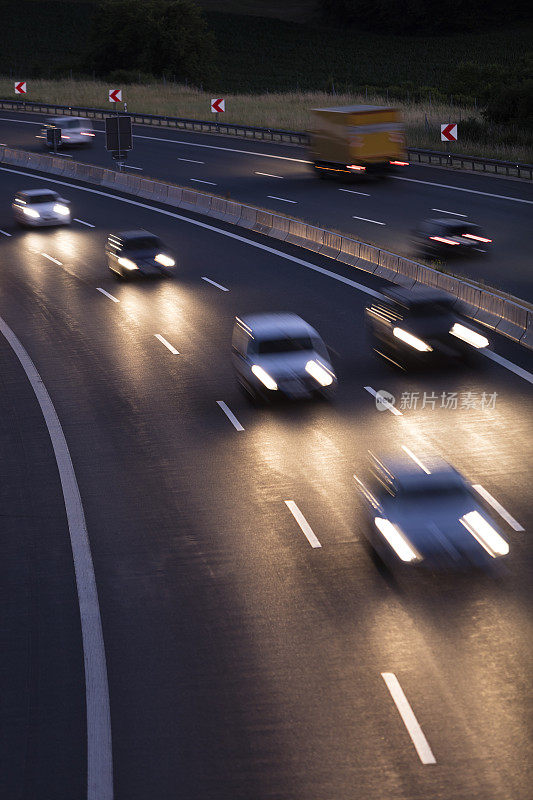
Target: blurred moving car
[75, 131]
[40, 207]
[280, 355]
[134, 253]
[428, 515]
[445, 238]
[420, 327]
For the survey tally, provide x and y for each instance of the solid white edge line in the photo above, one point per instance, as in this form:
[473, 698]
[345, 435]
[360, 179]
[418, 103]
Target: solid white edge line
[215, 147]
[214, 283]
[167, 344]
[283, 199]
[454, 213]
[197, 180]
[230, 415]
[89, 225]
[387, 405]
[268, 175]
[416, 459]
[51, 258]
[409, 720]
[99, 744]
[504, 514]
[5, 233]
[114, 299]
[364, 219]
[352, 191]
[191, 160]
[503, 362]
[462, 189]
[303, 523]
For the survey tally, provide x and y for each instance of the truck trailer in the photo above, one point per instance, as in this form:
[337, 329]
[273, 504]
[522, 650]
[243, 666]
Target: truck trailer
[356, 140]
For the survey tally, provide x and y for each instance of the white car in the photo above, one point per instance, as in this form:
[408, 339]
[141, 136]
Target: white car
[37, 208]
[74, 131]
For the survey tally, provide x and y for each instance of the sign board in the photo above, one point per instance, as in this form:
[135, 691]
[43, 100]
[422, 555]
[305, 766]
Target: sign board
[115, 95]
[20, 87]
[218, 105]
[118, 136]
[53, 137]
[448, 133]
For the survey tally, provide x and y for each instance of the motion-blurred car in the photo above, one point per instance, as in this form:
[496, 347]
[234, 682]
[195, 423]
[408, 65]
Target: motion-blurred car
[75, 131]
[280, 355]
[420, 327]
[135, 253]
[428, 515]
[37, 208]
[445, 238]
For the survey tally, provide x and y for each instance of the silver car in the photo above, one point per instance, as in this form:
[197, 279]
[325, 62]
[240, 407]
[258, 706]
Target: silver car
[38, 208]
[75, 131]
[280, 355]
[428, 515]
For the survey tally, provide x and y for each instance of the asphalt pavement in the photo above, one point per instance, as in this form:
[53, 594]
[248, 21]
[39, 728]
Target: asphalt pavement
[278, 177]
[242, 661]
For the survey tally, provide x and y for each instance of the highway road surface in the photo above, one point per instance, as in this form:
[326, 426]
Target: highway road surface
[253, 649]
[278, 177]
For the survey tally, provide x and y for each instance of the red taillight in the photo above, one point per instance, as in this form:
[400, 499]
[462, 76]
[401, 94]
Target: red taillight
[86, 133]
[476, 238]
[400, 163]
[356, 167]
[443, 240]
[65, 137]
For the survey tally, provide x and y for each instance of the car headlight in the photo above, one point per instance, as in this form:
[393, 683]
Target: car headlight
[411, 340]
[31, 212]
[164, 260]
[59, 208]
[469, 336]
[399, 543]
[486, 535]
[127, 264]
[322, 375]
[264, 377]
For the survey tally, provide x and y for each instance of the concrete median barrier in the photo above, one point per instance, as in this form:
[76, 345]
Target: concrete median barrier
[174, 195]
[280, 227]
[263, 223]
[225, 210]
[331, 244]
[490, 309]
[387, 265]
[147, 188]
[468, 298]
[514, 320]
[312, 238]
[160, 191]
[349, 252]
[248, 217]
[527, 338]
[189, 199]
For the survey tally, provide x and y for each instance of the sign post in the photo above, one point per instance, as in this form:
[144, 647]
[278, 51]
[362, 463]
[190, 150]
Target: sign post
[53, 137]
[118, 137]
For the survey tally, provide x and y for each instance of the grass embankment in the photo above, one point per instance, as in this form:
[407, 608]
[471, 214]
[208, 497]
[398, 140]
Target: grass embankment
[289, 111]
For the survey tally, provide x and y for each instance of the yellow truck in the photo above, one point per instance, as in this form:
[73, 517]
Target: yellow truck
[357, 140]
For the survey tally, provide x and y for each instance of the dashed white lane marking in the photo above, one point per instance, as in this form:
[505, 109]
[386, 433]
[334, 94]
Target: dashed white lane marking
[99, 745]
[5, 233]
[114, 299]
[454, 213]
[364, 219]
[352, 191]
[89, 225]
[230, 415]
[384, 402]
[416, 460]
[283, 199]
[462, 189]
[409, 720]
[51, 258]
[197, 180]
[130, 166]
[214, 283]
[167, 344]
[191, 160]
[303, 523]
[504, 514]
[268, 175]
[503, 362]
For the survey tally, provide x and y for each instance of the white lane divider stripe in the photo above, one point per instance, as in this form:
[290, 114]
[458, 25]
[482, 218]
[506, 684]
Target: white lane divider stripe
[416, 459]
[303, 523]
[409, 720]
[218, 285]
[503, 362]
[83, 223]
[191, 160]
[167, 344]
[5, 233]
[198, 180]
[283, 199]
[230, 415]
[454, 213]
[504, 514]
[352, 191]
[384, 402]
[268, 175]
[375, 221]
[114, 299]
[51, 258]
[99, 744]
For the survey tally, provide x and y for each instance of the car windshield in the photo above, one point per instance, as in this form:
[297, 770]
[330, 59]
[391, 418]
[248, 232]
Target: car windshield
[435, 494]
[73, 123]
[142, 243]
[420, 310]
[45, 197]
[460, 229]
[288, 344]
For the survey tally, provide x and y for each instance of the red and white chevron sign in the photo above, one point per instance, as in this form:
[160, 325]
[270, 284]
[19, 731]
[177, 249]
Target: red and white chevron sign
[115, 95]
[218, 105]
[20, 87]
[448, 133]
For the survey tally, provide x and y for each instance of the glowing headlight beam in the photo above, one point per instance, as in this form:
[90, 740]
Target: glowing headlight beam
[486, 535]
[397, 540]
[412, 341]
[319, 373]
[59, 208]
[469, 336]
[164, 260]
[264, 377]
[31, 212]
[127, 264]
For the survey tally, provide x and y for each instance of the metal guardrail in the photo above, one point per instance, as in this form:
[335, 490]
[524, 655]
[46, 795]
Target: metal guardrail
[476, 163]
